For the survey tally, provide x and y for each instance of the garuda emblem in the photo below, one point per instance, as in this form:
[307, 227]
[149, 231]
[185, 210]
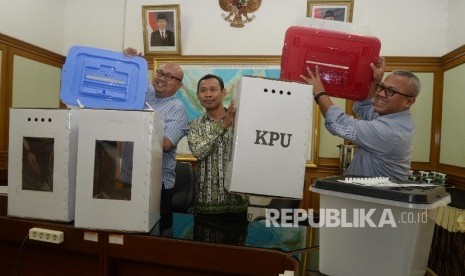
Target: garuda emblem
[239, 11]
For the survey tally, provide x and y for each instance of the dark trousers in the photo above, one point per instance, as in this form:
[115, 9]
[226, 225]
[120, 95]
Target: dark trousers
[221, 228]
[166, 217]
[166, 199]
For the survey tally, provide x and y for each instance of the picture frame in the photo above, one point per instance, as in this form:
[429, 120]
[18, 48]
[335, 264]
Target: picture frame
[331, 9]
[162, 30]
[229, 68]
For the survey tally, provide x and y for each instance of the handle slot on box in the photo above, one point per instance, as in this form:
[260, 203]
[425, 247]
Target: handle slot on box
[328, 65]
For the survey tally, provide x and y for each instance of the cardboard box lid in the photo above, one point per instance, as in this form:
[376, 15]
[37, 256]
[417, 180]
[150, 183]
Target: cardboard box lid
[98, 78]
[414, 194]
[343, 59]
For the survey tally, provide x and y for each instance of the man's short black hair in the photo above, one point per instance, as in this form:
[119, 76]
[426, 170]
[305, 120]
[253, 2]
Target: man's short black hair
[161, 16]
[211, 76]
[329, 13]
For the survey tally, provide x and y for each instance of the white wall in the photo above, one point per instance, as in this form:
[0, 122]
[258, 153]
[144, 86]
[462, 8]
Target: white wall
[402, 29]
[94, 23]
[456, 23]
[406, 28]
[205, 32]
[37, 22]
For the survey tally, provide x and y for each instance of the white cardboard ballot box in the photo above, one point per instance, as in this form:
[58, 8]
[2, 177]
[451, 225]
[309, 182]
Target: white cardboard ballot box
[113, 144]
[42, 163]
[271, 132]
[376, 230]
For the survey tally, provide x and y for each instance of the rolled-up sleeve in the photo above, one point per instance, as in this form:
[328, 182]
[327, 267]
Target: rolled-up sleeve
[340, 124]
[371, 134]
[176, 124]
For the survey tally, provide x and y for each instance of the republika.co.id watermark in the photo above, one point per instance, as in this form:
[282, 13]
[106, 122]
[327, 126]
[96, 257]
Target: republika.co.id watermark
[349, 218]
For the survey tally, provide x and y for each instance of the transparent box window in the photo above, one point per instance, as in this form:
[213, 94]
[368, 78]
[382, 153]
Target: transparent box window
[38, 156]
[113, 170]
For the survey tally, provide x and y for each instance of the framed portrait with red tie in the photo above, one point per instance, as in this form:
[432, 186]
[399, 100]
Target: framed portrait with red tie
[338, 10]
[162, 29]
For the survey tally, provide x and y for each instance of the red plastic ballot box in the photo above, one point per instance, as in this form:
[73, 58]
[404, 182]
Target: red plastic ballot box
[343, 59]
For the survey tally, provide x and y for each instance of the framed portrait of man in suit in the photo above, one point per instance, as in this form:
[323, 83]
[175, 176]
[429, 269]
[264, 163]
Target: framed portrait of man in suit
[162, 29]
[338, 10]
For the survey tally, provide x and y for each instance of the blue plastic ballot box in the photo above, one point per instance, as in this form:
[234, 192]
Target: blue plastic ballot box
[98, 78]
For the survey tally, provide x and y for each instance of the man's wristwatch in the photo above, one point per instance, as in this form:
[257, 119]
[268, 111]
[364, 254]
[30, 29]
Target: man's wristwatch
[317, 96]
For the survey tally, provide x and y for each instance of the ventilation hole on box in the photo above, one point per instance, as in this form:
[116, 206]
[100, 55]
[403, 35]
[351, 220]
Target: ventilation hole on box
[49, 120]
[281, 92]
[42, 120]
[35, 119]
[29, 119]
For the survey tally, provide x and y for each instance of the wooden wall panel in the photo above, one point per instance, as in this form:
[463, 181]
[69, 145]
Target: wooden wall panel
[11, 47]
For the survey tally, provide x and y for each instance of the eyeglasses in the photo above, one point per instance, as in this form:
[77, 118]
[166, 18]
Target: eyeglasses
[167, 76]
[389, 91]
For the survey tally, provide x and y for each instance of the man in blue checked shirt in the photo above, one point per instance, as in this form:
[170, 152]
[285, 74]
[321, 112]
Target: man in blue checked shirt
[161, 97]
[384, 128]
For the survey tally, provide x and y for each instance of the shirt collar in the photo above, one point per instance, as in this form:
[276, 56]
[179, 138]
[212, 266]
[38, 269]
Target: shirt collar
[166, 98]
[206, 117]
[398, 114]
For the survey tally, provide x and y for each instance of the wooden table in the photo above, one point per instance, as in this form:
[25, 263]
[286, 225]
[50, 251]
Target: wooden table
[87, 252]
